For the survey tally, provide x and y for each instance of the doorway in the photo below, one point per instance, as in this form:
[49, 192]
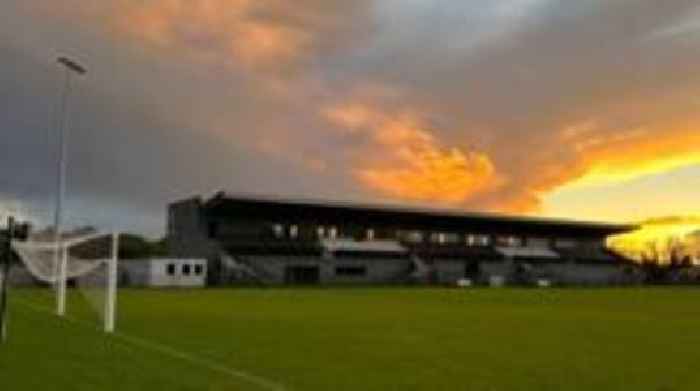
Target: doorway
[302, 275]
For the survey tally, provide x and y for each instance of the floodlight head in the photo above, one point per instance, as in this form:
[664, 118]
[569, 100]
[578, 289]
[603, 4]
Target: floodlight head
[72, 65]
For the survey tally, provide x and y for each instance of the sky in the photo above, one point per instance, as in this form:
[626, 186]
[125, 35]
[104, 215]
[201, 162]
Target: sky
[586, 110]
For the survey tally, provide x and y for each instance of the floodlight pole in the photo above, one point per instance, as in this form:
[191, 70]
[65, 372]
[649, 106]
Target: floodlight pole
[60, 255]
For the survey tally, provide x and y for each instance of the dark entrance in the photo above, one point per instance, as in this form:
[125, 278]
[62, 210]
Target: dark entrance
[302, 275]
[472, 270]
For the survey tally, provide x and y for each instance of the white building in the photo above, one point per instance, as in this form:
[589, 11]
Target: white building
[166, 272]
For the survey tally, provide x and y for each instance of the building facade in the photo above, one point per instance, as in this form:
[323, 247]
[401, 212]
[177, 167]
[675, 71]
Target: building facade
[163, 272]
[268, 241]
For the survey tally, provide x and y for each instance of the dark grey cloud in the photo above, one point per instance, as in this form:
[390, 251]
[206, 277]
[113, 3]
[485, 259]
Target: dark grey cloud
[237, 96]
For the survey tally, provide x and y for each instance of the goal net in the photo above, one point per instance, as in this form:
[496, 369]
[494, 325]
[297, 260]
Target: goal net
[85, 264]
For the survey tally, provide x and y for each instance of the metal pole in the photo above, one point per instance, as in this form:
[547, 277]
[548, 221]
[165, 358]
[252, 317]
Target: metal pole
[6, 257]
[60, 260]
[61, 253]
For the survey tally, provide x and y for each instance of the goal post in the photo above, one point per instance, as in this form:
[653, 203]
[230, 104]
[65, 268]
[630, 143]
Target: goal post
[61, 256]
[111, 296]
[88, 261]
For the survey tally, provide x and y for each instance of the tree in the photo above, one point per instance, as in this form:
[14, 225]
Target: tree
[132, 246]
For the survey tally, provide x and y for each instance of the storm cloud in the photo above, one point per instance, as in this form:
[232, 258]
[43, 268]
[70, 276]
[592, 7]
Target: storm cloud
[485, 106]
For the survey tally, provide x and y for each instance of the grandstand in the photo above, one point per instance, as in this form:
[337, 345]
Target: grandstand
[274, 241]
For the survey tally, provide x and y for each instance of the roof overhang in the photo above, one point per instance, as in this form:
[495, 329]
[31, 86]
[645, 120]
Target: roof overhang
[398, 217]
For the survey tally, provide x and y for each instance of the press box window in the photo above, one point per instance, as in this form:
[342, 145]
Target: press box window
[198, 269]
[170, 269]
[509, 241]
[414, 237]
[351, 271]
[186, 270]
[278, 231]
[294, 231]
[477, 240]
[333, 233]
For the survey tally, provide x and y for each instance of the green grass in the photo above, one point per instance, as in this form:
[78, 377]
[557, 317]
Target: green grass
[361, 339]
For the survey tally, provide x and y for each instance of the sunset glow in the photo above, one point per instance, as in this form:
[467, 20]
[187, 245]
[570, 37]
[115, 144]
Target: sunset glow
[491, 112]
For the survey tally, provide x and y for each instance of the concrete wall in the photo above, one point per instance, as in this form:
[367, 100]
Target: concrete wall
[187, 236]
[272, 269]
[159, 276]
[450, 271]
[585, 274]
[379, 271]
[136, 273]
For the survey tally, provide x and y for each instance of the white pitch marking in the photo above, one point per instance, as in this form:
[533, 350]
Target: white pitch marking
[169, 351]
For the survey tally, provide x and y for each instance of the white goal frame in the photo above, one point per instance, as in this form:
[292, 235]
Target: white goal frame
[61, 260]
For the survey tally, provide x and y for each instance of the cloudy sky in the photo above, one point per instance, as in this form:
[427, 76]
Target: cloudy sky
[582, 109]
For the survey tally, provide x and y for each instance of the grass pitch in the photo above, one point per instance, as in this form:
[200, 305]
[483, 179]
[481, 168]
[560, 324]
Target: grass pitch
[360, 339]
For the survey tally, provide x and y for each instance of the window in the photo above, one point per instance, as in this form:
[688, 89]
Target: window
[414, 237]
[170, 269]
[294, 231]
[477, 240]
[198, 269]
[333, 233]
[351, 271]
[370, 234]
[186, 269]
[437, 238]
[444, 238]
[509, 241]
[278, 230]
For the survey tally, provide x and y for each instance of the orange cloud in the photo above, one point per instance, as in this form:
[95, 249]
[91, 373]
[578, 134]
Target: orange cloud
[539, 136]
[434, 175]
[610, 155]
[590, 155]
[230, 30]
[405, 160]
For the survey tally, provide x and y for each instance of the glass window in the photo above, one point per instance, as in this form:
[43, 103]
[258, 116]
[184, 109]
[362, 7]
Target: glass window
[477, 240]
[294, 231]
[278, 230]
[186, 269]
[198, 269]
[444, 238]
[170, 269]
[414, 236]
[509, 241]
